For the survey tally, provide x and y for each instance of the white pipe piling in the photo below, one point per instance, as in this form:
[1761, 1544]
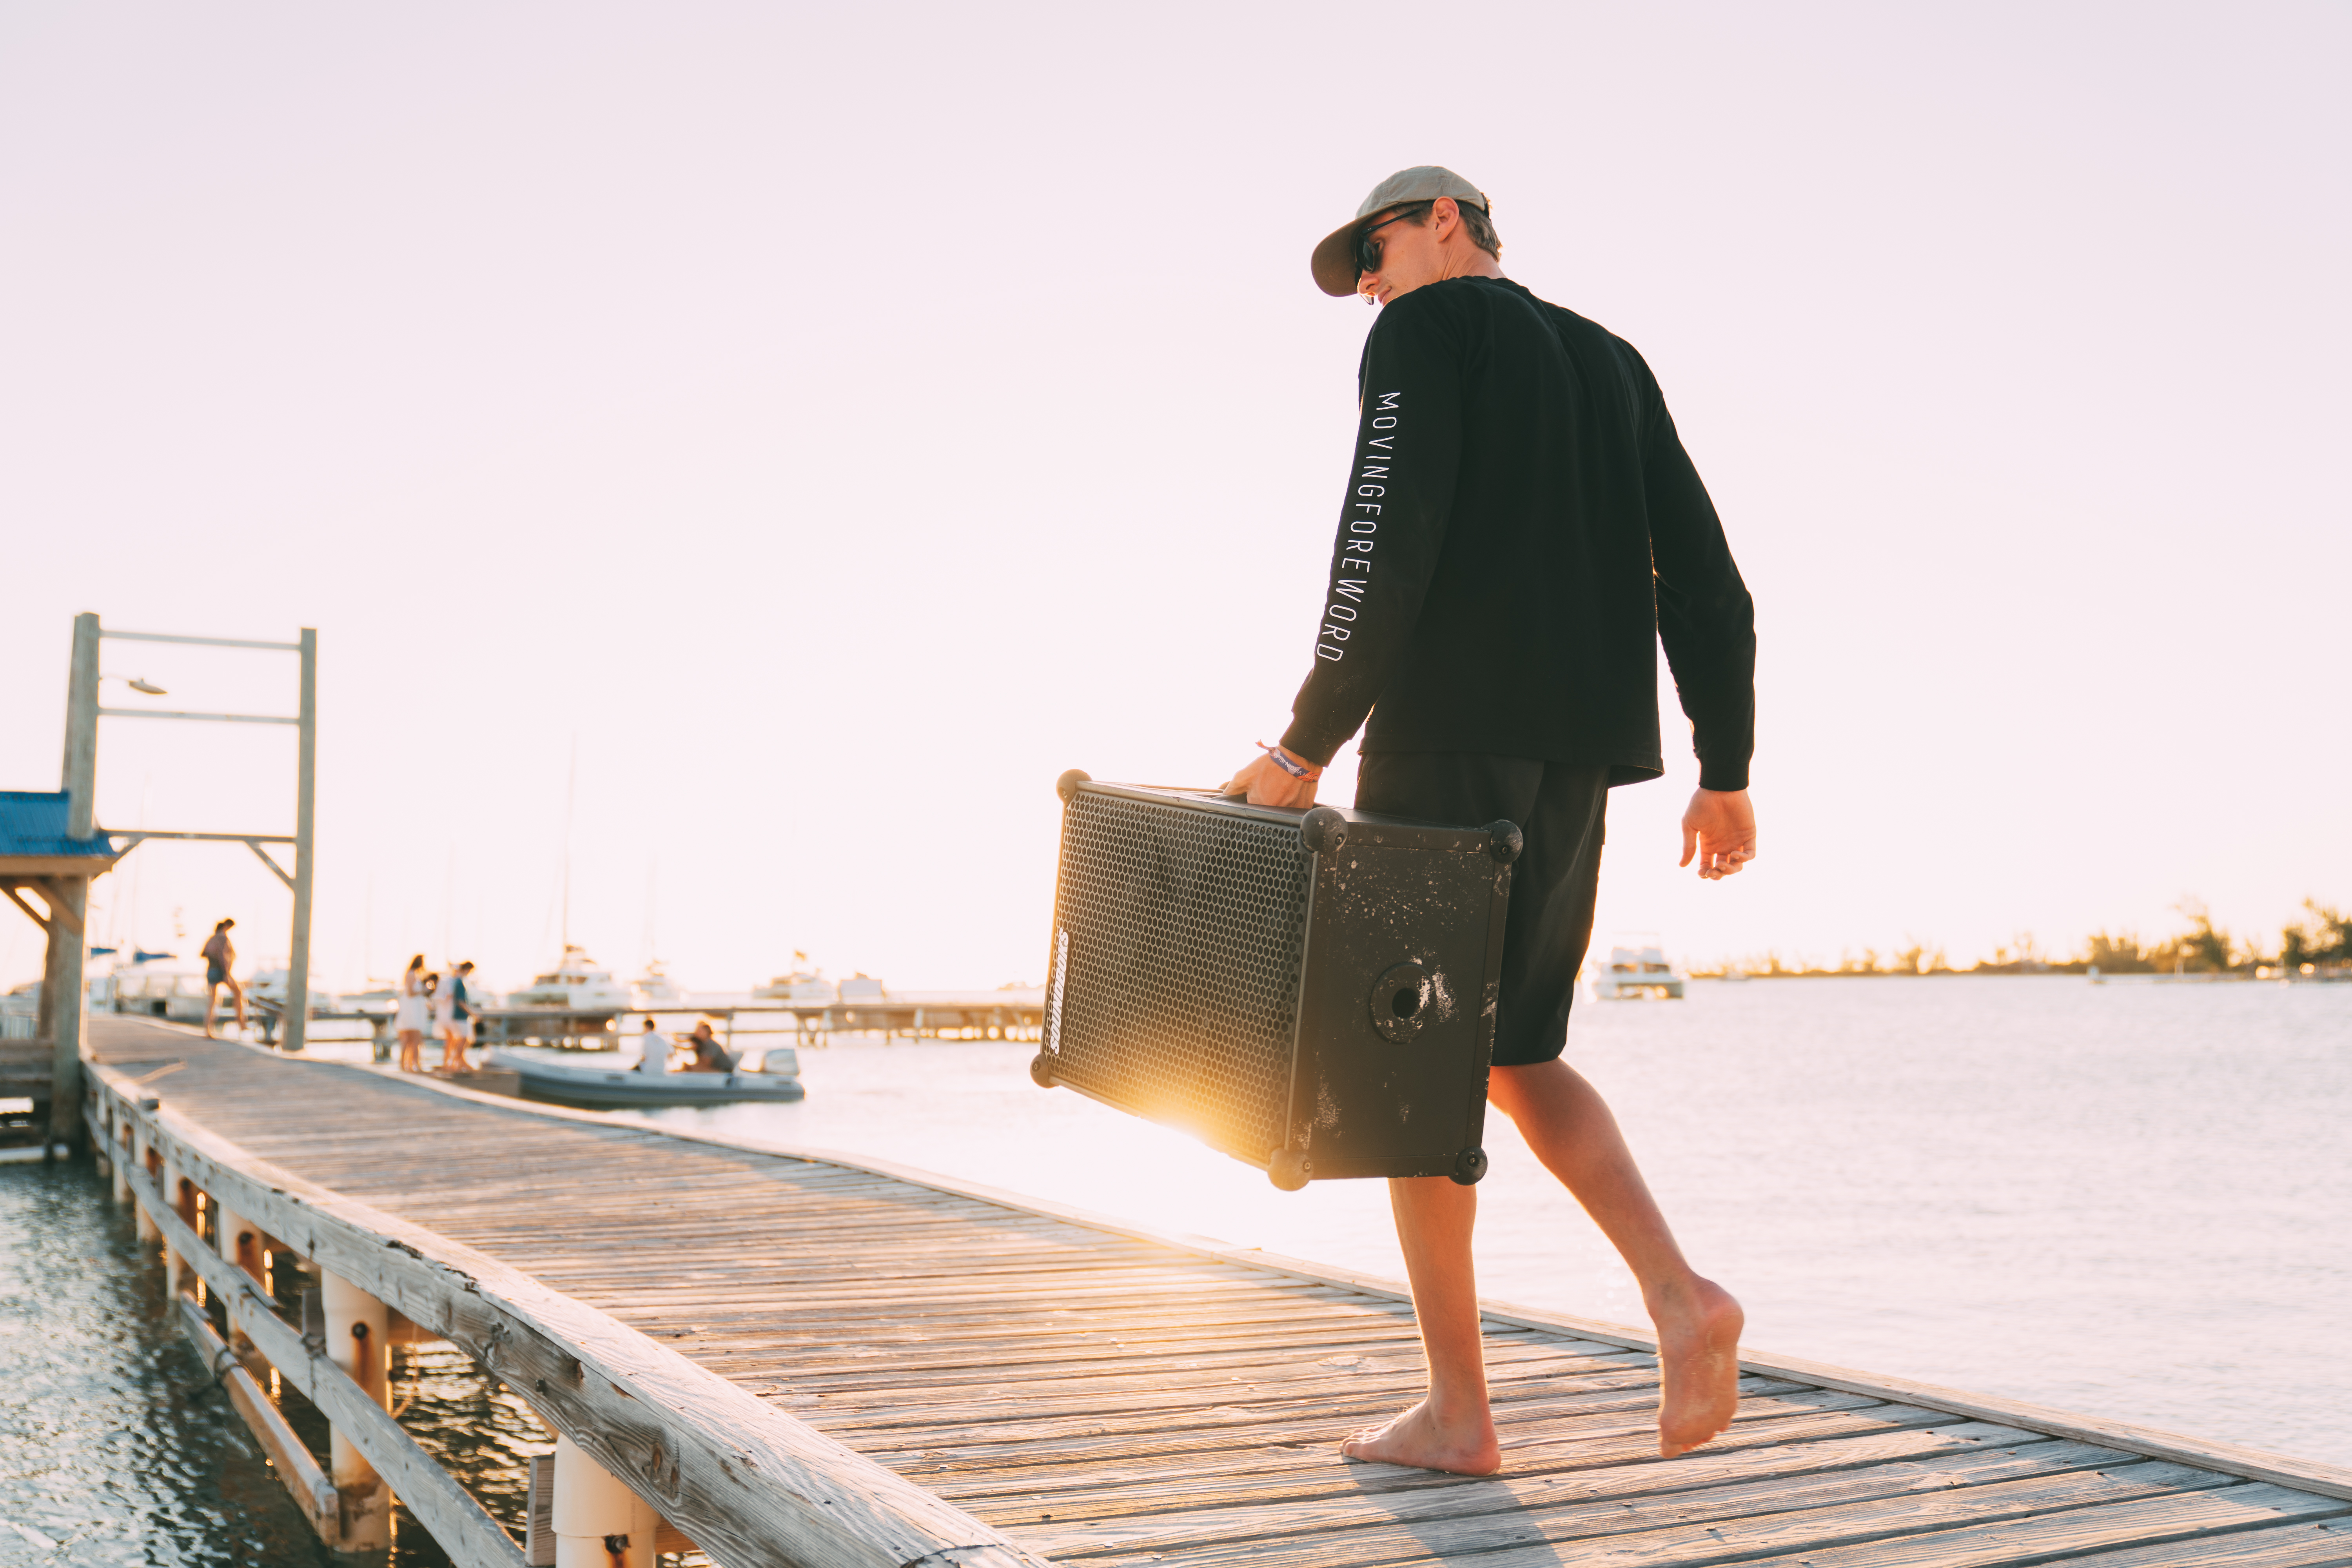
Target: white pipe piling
[599, 1522]
[175, 1270]
[358, 1341]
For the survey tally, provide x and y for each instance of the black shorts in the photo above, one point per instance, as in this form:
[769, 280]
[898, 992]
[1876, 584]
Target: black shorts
[215, 975]
[1561, 808]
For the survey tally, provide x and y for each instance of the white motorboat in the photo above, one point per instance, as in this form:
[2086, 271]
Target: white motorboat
[1631, 973]
[605, 1080]
[574, 986]
[269, 986]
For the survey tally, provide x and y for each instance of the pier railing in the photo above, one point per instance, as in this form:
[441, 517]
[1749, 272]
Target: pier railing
[745, 1482]
[1018, 1391]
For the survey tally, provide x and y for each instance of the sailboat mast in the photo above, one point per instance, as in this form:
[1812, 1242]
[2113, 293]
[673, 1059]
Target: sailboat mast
[652, 909]
[571, 784]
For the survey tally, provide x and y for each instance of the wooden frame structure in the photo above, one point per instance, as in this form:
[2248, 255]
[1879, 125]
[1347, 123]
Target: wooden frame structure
[83, 711]
[60, 876]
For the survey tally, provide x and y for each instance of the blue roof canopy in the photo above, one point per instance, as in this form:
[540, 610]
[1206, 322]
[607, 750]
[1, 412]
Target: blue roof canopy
[33, 826]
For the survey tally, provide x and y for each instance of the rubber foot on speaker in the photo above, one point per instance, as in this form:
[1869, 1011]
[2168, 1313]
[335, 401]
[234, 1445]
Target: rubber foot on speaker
[1468, 1166]
[1041, 1070]
[1323, 830]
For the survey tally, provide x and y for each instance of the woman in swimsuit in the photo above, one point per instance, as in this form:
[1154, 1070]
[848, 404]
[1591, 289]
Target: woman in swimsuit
[220, 954]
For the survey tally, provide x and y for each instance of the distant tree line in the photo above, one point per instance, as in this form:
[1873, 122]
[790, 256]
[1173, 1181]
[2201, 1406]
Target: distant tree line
[2321, 944]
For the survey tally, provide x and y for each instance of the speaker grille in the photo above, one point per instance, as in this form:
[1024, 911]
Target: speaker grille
[1177, 996]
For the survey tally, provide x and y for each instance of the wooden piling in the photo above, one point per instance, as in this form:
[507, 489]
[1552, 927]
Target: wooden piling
[61, 986]
[151, 1164]
[306, 800]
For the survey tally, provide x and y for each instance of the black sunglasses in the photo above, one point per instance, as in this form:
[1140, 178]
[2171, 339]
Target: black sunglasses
[1368, 249]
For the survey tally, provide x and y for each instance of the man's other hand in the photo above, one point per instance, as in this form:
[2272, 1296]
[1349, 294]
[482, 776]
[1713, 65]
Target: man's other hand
[1720, 829]
[1266, 785]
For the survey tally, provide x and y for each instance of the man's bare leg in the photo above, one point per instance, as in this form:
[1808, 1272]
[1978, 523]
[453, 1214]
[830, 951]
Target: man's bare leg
[1453, 1428]
[212, 1006]
[1568, 1124]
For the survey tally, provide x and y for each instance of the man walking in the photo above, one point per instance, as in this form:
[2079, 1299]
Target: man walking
[220, 957]
[1521, 525]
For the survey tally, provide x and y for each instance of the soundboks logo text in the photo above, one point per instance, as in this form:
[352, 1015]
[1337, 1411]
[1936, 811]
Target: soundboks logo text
[1061, 983]
[1351, 572]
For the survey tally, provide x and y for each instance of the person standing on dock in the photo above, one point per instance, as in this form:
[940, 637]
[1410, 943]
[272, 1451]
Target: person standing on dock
[1522, 526]
[653, 1050]
[220, 957]
[412, 1016]
[456, 1022]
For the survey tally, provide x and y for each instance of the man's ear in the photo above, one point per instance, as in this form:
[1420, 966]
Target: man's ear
[1447, 210]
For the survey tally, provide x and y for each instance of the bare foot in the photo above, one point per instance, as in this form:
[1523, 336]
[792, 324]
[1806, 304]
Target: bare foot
[1418, 1438]
[1699, 1349]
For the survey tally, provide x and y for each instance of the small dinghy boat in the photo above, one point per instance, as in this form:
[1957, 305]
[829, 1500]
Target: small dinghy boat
[608, 1085]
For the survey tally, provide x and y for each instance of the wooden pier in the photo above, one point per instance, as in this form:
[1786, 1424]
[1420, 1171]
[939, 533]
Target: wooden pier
[825, 1361]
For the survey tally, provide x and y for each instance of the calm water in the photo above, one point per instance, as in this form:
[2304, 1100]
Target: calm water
[115, 1447]
[2132, 1202]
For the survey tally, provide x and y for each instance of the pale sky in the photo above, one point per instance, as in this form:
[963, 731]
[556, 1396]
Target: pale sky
[839, 422]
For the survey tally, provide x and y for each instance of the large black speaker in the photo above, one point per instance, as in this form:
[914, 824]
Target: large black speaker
[1311, 992]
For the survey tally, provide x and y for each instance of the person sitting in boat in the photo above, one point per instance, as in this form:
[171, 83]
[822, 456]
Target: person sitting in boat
[709, 1056]
[653, 1051]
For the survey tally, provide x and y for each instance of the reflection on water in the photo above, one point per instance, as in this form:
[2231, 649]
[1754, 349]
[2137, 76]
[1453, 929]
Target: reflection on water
[115, 1444]
[481, 1432]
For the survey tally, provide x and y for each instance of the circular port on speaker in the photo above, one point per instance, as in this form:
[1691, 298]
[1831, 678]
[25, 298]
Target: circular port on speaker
[1399, 1000]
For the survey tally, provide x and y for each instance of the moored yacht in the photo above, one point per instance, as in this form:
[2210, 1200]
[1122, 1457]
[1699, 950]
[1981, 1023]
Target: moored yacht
[1630, 972]
[800, 985]
[574, 986]
[655, 988]
[155, 985]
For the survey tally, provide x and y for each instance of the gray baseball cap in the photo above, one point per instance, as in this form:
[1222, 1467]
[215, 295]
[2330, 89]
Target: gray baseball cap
[1334, 261]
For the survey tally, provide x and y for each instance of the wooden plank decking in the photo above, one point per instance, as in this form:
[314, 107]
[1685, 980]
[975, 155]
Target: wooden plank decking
[1104, 1398]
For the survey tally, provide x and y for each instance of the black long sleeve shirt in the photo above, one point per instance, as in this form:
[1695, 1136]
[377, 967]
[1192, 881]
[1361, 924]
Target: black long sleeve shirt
[1521, 523]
